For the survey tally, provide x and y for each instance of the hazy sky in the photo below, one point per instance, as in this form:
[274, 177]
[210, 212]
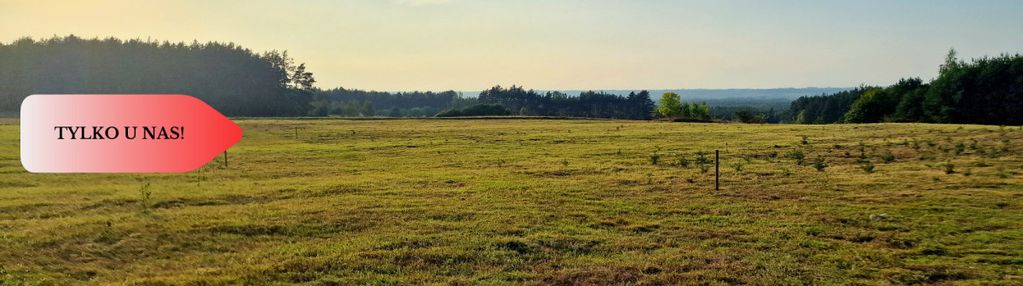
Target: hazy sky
[550, 44]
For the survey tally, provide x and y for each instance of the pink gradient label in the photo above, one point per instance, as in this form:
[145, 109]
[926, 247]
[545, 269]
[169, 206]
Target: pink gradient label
[121, 133]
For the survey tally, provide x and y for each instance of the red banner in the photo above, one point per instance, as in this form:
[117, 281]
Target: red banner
[121, 133]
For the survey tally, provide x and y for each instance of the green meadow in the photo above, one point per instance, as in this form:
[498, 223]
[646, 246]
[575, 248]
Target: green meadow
[530, 201]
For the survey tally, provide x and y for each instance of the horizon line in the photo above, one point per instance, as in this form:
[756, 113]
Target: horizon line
[593, 89]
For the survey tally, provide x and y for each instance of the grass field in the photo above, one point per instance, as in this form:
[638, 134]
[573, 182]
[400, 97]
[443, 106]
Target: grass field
[535, 202]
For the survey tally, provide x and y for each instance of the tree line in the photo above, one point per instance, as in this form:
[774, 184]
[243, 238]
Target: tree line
[359, 103]
[234, 80]
[240, 82]
[982, 91]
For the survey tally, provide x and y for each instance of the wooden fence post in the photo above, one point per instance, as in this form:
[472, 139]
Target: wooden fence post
[717, 169]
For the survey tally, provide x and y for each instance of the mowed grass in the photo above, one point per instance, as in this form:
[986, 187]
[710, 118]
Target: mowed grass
[535, 202]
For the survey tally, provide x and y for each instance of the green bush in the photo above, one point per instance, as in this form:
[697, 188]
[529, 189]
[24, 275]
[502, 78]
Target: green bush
[796, 155]
[683, 161]
[867, 167]
[703, 162]
[819, 164]
[888, 157]
[737, 166]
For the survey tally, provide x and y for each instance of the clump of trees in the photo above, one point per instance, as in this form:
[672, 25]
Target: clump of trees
[478, 110]
[554, 103]
[671, 106]
[234, 80]
[983, 91]
[749, 116]
[746, 114]
[900, 102]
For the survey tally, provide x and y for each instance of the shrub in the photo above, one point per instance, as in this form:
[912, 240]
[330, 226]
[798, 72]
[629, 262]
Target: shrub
[960, 148]
[933, 249]
[654, 158]
[819, 164]
[867, 167]
[805, 140]
[683, 161]
[796, 155]
[703, 162]
[888, 157]
[950, 168]
[145, 195]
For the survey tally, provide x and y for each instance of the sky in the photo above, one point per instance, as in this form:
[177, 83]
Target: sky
[397, 45]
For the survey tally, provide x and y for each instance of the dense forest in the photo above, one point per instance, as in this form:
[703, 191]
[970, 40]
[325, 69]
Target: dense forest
[234, 80]
[983, 91]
